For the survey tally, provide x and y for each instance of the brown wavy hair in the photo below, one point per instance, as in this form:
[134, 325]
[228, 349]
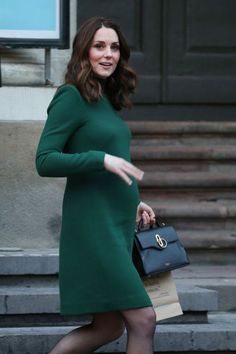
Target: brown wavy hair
[119, 85]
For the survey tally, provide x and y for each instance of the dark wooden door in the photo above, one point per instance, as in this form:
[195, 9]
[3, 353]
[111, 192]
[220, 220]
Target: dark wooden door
[183, 50]
[200, 51]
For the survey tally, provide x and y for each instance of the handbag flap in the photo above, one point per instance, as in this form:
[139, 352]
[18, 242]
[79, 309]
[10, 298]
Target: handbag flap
[147, 238]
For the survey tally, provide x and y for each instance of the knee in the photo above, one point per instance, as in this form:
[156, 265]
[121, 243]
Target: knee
[144, 324]
[147, 323]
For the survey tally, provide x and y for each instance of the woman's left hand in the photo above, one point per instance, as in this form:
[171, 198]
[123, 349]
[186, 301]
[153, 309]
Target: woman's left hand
[146, 213]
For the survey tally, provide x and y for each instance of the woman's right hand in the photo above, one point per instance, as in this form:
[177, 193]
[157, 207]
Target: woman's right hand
[122, 168]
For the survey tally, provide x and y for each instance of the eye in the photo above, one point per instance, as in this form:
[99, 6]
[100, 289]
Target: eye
[115, 47]
[98, 45]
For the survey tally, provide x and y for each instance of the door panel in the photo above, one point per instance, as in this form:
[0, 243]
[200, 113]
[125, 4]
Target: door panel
[200, 51]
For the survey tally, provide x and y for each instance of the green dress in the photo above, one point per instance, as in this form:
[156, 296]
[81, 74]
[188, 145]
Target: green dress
[96, 273]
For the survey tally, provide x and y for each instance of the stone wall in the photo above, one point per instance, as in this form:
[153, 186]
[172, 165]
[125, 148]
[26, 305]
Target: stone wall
[30, 206]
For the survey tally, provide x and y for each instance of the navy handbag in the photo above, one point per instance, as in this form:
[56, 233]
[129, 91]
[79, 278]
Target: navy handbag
[157, 249]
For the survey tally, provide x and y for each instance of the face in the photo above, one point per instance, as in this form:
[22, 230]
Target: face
[104, 53]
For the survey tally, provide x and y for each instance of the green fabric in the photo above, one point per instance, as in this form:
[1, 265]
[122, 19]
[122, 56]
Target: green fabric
[96, 273]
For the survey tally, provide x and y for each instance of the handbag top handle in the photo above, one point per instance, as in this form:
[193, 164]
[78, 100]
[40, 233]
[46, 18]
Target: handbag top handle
[141, 226]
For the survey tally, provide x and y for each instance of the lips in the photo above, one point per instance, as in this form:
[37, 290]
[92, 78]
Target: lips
[107, 65]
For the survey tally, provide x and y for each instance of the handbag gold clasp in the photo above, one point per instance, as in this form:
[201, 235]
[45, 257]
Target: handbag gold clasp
[161, 241]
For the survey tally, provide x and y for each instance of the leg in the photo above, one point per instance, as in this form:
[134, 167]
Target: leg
[140, 324]
[105, 328]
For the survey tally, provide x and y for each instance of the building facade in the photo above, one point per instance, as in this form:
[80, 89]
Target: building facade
[183, 52]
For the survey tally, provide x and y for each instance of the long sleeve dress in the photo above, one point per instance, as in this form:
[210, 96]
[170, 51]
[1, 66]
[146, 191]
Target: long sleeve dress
[96, 273]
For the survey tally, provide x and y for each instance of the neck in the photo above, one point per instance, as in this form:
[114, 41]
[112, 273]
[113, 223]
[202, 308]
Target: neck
[103, 83]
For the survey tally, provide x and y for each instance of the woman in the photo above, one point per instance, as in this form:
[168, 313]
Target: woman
[85, 140]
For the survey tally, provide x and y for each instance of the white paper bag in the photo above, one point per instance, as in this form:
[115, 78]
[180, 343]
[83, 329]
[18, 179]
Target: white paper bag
[162, 292]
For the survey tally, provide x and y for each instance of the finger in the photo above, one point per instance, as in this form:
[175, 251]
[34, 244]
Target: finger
[132, 170]
[148, 217]
[138, 174]
[124, 177]
[150, 212]
[144, 220]
[153, 220]
[152, 216]
[145, 217]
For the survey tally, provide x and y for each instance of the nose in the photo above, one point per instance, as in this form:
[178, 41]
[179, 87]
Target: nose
[108, 52]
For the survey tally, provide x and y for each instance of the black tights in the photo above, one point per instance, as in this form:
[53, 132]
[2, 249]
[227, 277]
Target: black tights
[106, 327]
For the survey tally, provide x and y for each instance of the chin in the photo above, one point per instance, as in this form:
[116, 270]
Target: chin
[104, 76]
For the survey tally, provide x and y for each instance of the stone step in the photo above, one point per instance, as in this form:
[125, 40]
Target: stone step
[203, 246]
[183, 128]
[28, 262]
[187, 208]
[148, 152]
[193, 140]
[36, 268]
[38, 300]
[211, 245]
[55, 319]
[183, 197]
[33, 268]
[209, 242]
[215, 277]
[213, 218]
[219, 335]
[188, 180]
[184, 166]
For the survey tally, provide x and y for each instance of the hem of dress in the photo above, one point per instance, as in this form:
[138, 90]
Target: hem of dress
[93, 308]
